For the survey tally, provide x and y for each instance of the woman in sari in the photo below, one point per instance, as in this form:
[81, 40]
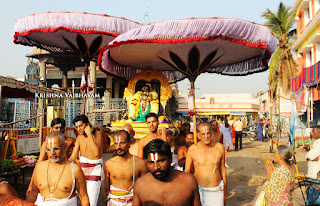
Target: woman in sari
[280, 180]
[227, 137]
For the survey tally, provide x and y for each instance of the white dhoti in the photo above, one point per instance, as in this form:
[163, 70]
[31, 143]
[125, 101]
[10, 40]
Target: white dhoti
[120, 197]
[175, 163]
[56, 202]
[212, 195]
[92, 169]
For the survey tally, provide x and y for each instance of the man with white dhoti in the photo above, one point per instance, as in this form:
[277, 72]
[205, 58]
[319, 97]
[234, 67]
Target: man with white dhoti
[57, 181]
[121, 172]
[208, 159]
[89, 146]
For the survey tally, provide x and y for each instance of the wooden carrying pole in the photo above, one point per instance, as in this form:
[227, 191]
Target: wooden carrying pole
[195, 112]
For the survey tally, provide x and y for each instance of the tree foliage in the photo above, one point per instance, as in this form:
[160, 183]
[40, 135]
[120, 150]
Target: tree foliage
[282, 65]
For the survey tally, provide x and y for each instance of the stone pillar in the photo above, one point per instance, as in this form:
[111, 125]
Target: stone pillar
[116, 90]
[107, 96]
[92, 72]
[41, 101]
[42, 83]
[65, 80]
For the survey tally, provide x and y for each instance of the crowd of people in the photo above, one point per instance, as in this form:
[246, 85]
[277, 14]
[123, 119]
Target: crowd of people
[155, 170]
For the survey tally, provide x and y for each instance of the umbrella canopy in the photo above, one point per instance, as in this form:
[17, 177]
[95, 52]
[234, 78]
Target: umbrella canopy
[70, 32]
[189, 47]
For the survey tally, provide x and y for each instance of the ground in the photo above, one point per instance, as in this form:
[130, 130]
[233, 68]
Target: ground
[246, 173]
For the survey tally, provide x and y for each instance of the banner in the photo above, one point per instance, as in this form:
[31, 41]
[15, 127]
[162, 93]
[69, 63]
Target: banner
[28, 143]
[301, 102]
[285, 107]
[308, 76]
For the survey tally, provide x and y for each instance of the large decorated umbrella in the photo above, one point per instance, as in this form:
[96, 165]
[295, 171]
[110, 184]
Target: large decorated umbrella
[189, 47]
[83, 34]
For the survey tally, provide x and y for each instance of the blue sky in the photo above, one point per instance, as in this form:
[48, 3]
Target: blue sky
[13, 61]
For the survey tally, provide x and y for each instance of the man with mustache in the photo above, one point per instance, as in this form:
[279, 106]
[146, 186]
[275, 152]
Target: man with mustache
[57, 125]
[163, 185]
[121, 172]
[133, 149]
[57, 180]
[208, 159]
[152, 124]
[89, 146]
[182, 151]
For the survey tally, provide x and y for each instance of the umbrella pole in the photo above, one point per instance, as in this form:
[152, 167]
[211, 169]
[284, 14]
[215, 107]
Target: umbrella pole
[195, 113]
[85, 91]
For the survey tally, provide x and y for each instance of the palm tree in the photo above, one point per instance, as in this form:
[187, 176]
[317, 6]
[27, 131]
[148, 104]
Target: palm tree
[282, 66]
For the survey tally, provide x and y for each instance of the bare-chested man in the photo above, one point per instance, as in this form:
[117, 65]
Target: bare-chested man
[182, 152]
[57, 179]
[152, 124]
[57, 125]
[208, 159]
[217, 135]
[89, 146]
[133, 149]
[164, 186]
[121, 172]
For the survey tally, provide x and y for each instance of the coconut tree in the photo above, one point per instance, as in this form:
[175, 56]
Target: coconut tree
[282, 66]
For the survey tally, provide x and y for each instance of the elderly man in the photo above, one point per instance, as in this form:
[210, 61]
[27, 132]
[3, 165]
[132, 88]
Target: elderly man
[164, 185]
[57, 180]
[57, 125]
[89, 145]
[152, 124]
[208, 159]
[121, 172]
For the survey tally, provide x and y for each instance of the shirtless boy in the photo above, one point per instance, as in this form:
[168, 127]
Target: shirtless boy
[208, 159]
[89, 146]
[152, 124]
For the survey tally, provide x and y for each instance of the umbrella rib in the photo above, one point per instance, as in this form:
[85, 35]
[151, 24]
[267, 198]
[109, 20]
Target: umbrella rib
[177, 68]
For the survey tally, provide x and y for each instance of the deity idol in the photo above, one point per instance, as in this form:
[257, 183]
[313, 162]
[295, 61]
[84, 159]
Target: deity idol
[142, 103]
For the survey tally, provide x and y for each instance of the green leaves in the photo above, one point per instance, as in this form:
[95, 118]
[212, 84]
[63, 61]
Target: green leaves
[282, 65]
[82, 50]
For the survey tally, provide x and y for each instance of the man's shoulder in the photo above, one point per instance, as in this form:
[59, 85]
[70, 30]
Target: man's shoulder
[145, 139]
[70, 139]
[145, 178]
[42, 163]
[138, 159]
[187, 176]
[182, 148]
[80, 137]
[193, 148]
[112, 160]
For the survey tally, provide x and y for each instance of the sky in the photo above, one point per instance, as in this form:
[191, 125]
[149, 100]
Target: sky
[13, 61]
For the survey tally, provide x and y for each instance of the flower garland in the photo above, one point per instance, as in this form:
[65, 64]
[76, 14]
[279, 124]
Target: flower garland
[134, 105]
